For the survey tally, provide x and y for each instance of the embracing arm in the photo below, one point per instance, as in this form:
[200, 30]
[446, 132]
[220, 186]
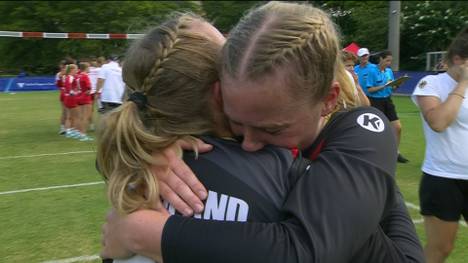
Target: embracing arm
[332, 228]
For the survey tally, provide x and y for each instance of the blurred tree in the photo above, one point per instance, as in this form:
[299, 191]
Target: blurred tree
[429, 26]
[41, 56]
[225, 14]
[363, 22]
[426, 26]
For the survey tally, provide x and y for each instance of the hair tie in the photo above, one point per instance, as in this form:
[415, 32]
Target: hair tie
[139, 99]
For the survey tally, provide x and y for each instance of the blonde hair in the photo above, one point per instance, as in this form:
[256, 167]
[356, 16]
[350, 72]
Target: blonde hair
[346, 55]
[348, 97]
[83, 66]
[288, 36]
[69, 68]
[173, 68]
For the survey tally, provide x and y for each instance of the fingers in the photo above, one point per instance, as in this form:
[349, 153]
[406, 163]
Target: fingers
[201, 145]
[179, 168]
[179, 200]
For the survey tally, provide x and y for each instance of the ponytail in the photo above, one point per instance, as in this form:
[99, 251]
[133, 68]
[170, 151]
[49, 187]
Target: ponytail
[124, 157]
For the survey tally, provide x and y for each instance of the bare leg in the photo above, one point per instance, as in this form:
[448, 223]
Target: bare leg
[440, 238]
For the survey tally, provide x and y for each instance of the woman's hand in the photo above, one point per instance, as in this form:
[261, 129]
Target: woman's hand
[113, 237]
[137, 233]
[180, 187]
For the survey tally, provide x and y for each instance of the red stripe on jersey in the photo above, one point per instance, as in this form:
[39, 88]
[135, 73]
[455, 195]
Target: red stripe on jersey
[295, 152]
[317, 150]
[118, 36]
[77, 35]
[33, 34]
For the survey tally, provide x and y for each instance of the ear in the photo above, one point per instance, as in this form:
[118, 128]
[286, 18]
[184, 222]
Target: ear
[217, 95]
[331, 99]
[457, 60]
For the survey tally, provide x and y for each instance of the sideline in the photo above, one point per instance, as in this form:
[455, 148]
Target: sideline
[50, 187]
[71, 260]
[44, 154]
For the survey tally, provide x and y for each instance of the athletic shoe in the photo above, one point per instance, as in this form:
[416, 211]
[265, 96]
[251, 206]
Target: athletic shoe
[86, 138]
[72, 133]
[62, 132]
[402, 159]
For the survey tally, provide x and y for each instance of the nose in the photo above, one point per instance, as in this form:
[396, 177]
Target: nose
[250, 143]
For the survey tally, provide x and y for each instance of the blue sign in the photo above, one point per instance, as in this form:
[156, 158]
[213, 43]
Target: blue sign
[408, 87]
[18, 84]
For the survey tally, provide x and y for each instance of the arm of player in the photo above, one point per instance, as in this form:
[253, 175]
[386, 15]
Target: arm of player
[399, 228]
[344, 214]
[439, 115]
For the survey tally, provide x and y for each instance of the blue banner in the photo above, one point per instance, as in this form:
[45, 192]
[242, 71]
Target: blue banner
[18, 84]
[408, 87]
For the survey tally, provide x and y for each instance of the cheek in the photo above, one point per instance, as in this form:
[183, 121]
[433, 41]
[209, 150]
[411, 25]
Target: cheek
[288, 139]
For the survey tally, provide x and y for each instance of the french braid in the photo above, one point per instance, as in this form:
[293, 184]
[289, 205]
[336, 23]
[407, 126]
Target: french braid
[291, 36]
[174, 68]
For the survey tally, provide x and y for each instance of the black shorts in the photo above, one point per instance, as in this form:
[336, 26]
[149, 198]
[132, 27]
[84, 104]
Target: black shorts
[444, 198]
[386, 106]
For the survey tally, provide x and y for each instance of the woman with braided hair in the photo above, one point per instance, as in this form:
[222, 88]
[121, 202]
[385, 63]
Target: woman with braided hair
[278, 72]
[172, 84]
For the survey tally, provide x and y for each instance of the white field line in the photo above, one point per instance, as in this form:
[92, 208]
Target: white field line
[50, 188]
[71, 260]
[44, 154]
[420, 220]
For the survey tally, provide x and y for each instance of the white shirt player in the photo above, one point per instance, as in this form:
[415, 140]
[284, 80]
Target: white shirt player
[113, 88]
[446, 152]
[93, 76]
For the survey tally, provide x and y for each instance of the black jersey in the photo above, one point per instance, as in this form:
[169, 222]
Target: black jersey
[344, 208]
[241, 186]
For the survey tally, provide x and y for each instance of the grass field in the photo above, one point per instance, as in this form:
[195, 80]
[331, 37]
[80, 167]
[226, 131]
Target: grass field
[53, 224]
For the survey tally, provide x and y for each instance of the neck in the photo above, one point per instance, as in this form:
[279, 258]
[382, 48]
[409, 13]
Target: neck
[221, 125]
[453, 73]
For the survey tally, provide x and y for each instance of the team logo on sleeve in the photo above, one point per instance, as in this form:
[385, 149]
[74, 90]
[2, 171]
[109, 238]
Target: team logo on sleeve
[422, 84]
[371, 122]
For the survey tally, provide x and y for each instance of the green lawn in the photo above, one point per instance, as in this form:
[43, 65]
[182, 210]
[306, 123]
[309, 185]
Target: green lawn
[62, 223]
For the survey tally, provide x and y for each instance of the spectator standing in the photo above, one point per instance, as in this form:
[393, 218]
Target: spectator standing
[349, 61]
[110, 84]
[93, 77]
[363, 68]
[443, 192]
[380, 94]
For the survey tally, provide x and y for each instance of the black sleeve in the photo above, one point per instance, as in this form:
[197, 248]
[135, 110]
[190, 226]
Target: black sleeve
[399, 227]
[333, 212]
[395, 241]
[330, 216]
